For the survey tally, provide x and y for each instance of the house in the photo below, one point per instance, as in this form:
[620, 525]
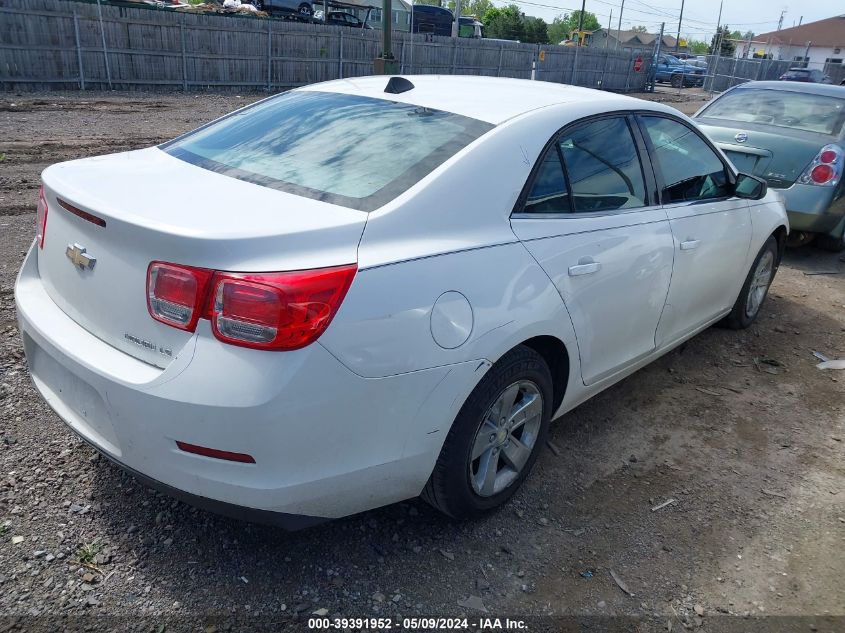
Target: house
[819, 44]
[633, 41]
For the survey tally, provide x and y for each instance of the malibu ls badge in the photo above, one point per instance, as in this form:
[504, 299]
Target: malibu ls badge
[79, 257]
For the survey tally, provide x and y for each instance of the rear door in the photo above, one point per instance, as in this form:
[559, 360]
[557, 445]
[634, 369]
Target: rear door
[589, 216]
[711, 228]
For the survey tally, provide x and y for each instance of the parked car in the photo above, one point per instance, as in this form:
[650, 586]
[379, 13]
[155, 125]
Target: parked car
[679, 73]
[809, 75]
[301, 7]
[300, 311]
[342, 18]
[792, 135]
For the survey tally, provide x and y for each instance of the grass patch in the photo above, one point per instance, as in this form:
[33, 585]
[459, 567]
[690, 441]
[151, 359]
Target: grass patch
[88, 552]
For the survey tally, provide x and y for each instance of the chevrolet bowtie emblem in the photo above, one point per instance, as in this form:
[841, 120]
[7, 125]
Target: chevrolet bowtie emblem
[77, 255]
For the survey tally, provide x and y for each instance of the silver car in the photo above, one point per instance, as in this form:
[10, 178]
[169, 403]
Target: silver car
[302, 7]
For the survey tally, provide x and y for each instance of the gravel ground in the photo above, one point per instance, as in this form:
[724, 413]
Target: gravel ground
[739, 429]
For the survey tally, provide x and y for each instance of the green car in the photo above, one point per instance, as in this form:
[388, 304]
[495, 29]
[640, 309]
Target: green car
[792, 135]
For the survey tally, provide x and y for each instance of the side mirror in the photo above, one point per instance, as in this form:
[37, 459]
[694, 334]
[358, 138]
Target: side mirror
[750, 187]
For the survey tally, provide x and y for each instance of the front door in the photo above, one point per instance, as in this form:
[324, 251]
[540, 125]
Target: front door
[589, 220]
[711, 228]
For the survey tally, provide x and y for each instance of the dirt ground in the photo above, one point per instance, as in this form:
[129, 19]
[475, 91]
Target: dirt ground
[739, 429]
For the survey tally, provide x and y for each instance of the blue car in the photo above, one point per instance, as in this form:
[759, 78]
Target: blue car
[678, 72]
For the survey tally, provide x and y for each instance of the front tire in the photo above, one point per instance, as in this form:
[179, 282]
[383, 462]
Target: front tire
[756, 287]
[495, 438]
[305, 10]
[677, 81]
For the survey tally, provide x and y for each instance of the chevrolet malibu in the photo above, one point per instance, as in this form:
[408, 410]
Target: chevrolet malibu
[367, 290]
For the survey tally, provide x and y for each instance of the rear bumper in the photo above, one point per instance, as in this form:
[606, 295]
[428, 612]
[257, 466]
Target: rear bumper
[812, 208]
[326, 442]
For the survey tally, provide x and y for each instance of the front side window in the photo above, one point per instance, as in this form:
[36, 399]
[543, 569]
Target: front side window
[603, 166]
[691, 169]
[349, 150]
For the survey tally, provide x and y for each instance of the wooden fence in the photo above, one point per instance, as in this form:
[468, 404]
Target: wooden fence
[64, 44]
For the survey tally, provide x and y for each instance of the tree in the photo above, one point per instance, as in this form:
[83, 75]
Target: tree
[639, 29]
[478, 8]
[563, 25]
[504, 23]
[535, 31]
[722, 39]
[698, 47]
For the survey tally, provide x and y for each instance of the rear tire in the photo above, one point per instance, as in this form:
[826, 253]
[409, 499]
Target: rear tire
[677, 81]
[477, 468]
[827, 242]
[755, 289]
[797, 239]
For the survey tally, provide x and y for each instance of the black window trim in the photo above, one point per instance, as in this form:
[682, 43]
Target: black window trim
[648, 174]
[658, 174]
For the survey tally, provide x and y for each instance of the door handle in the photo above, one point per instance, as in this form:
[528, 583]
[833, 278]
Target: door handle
[688, 245]
[584, 269]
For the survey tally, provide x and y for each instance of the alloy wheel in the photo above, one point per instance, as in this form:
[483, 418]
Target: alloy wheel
[506, 438]
[760, 283]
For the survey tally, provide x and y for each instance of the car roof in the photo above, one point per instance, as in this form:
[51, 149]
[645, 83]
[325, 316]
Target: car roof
[490, 99]
[828, 90]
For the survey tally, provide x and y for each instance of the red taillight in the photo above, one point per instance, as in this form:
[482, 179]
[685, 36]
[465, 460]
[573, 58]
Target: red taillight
[821, 174]
[41, 218]
[272, 311]
[280, 311]
[828, 156]
[215, 453]
[825, 169]
[176, 294]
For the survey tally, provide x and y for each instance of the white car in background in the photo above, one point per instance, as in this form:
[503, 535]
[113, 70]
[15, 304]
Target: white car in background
[365, 290]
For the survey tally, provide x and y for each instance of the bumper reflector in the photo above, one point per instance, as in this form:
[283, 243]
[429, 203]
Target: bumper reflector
[215, 453]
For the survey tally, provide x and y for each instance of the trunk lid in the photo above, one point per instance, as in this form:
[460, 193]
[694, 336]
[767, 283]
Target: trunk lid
[777, 154]
[157, 207]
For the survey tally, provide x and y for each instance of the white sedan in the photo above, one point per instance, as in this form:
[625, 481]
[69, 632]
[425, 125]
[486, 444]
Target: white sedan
[367, 290]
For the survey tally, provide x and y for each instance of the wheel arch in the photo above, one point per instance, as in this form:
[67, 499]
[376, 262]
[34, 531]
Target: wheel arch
[780, 234]
[556, 355]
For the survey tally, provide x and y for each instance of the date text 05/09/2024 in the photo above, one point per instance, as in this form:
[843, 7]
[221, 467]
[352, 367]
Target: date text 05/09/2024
[422, 623]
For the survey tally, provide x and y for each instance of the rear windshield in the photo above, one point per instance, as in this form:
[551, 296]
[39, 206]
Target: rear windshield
[781, 108]
[349, 150]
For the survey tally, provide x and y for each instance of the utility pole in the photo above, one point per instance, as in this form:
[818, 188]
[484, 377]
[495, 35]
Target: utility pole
[581, 20]
[386, 64]
[717, 46]
[619, 25]
[780, 22]
[456, 25]
[680, 19]
[609, 22]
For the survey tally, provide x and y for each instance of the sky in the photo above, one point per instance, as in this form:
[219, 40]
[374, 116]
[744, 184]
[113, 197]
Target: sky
[700, 16]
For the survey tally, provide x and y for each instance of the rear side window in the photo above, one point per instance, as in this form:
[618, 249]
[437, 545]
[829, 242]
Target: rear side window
[349, 150]
[603, 166]
[691, 170]
[549, 193]
[601, 171]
